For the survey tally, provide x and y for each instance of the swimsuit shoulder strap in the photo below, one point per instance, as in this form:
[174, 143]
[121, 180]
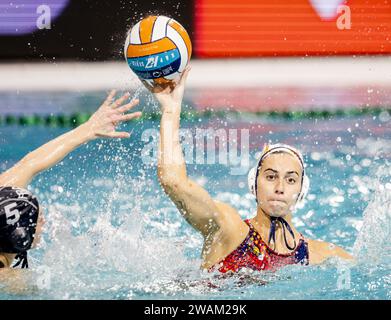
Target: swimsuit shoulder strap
[252, 229]
[247, 221]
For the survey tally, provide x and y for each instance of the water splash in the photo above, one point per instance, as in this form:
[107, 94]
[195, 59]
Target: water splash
[373, 241]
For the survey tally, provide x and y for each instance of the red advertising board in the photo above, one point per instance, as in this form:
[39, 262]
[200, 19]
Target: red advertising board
[231, 28]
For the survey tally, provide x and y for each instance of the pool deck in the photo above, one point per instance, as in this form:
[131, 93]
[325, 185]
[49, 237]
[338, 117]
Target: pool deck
[246, 84]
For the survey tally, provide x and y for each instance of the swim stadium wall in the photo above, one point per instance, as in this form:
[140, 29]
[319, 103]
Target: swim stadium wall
[65, 93]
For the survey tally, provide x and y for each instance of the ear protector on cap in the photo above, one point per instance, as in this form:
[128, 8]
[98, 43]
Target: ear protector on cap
[269, 149]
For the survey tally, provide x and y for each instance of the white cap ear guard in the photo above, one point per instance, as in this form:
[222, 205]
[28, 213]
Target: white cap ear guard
[268, 149]
[251, 180]
[304, 190]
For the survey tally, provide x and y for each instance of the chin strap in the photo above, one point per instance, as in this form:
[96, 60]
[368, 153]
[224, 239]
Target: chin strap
[272, 234]
[22, 259]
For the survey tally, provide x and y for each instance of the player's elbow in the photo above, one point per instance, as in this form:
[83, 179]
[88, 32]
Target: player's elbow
[169, 178]
[339, 252]
[344, 254]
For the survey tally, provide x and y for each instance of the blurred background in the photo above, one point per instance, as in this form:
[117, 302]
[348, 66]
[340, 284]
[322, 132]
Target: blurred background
[94, 30]
[286, 55]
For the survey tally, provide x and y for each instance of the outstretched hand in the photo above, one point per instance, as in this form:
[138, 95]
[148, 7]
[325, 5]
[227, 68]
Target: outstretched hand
[170, 94]
[110, 114]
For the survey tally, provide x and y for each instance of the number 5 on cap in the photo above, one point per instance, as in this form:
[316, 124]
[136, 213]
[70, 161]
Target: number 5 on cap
[12, 216]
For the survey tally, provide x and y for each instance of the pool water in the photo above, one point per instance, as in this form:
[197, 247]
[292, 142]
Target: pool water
[112, 233]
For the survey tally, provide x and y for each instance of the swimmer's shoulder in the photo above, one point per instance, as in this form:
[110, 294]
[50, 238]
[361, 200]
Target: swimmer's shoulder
[320, 251]
[10, 276]
[17, 281]
[231, 232]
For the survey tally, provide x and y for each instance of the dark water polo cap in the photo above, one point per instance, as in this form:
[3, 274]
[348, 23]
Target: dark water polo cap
[19, 210]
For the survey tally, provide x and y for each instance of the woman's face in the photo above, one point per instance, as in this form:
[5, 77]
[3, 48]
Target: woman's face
[38, 230]
[279, 184]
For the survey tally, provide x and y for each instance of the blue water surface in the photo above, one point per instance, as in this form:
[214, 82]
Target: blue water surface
[112, 233]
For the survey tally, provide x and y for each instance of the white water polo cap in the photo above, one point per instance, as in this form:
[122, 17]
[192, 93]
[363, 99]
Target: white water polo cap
[269, 149]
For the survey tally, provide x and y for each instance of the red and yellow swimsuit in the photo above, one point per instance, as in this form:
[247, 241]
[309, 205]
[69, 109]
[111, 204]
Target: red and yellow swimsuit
[254, 253]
